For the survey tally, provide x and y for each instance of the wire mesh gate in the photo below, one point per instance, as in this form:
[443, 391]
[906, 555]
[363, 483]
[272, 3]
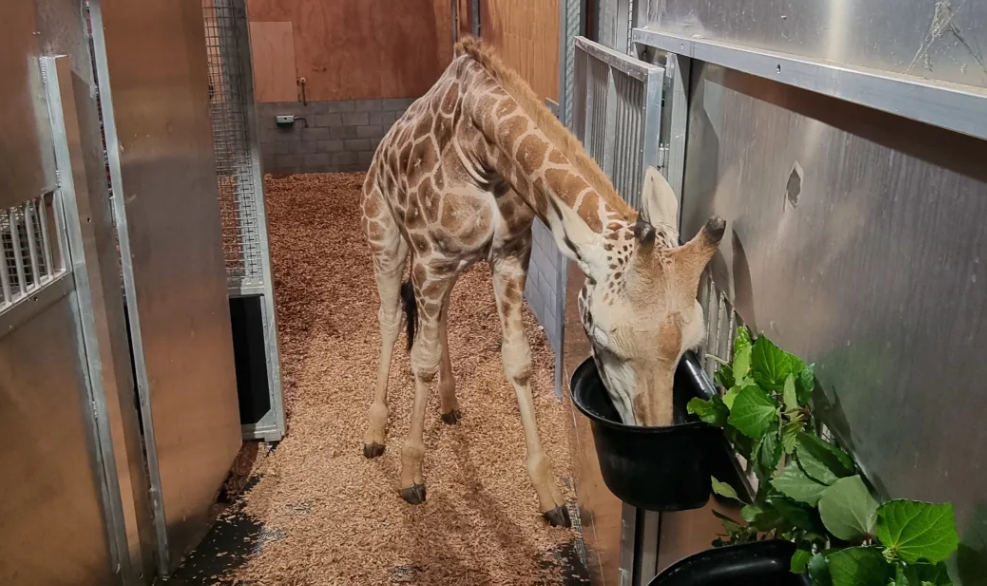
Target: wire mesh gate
[241, 188]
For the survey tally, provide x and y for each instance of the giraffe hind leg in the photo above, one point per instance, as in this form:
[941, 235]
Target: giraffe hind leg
[389, 251]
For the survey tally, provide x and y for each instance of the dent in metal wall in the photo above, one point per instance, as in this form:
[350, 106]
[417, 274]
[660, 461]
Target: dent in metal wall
[944, 40]
[858, 242]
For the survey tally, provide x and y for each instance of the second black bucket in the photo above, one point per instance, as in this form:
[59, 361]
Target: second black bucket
[652, 468]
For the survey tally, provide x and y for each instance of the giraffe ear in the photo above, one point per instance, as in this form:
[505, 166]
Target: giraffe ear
[658, 202]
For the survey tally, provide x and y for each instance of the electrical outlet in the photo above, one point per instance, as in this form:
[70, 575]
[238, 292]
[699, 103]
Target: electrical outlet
[285, 120]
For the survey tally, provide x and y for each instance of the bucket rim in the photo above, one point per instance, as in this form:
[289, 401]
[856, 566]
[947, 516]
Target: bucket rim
[590, 364]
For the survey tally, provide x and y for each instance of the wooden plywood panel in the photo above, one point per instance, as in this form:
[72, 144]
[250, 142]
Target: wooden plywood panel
[365, 49]
[272, 49]
[526, 35]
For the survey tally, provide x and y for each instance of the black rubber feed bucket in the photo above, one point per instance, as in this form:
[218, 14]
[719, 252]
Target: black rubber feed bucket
[762, 563]
[652, 468]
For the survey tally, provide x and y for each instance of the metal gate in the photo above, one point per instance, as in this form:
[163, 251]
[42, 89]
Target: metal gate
[617, 113]
[241, 188]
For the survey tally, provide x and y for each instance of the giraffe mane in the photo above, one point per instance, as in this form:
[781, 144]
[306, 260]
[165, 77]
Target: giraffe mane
[556, 132]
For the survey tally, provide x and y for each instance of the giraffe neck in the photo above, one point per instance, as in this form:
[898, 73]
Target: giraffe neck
[548, 167]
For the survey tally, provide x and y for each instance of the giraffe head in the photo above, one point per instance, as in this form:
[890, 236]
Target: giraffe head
[639, 307]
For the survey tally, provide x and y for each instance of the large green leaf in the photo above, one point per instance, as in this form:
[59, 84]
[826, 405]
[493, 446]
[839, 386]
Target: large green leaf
[771, 365]
[793, 483]
[753, 412]
[848, 510]
[790, 433]
[713, 412]
[797, 515]
[822, 460]
[761, 517]
[800, 560]
[819, 570]
[724, 376]
[916, 531]
[742, 348]
[922, 575]
[805, 383]
[730, 396]
[767, 455]
[859, 566]
[725, 490]
[788, 394]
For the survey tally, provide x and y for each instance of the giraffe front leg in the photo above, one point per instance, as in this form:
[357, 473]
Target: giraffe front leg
[508, 278]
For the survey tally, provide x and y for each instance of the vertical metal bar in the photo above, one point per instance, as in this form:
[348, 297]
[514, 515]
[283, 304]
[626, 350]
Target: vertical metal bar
[4, 265]
[572, 20]
[652, 120]
[677, 135]
[18, 254]
[269, 314]
[45, 240]
[454, 7]
[628, 541]
[610, 132]
[475, 24]
[32, 247]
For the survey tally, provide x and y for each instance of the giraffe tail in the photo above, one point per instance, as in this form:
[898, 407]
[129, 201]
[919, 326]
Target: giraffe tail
[410, 311]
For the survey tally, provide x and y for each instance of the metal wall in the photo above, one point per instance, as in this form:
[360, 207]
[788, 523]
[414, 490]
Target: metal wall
[942, 40]
[856, 235]
[152, 69]
[72, 510]
[872, 269]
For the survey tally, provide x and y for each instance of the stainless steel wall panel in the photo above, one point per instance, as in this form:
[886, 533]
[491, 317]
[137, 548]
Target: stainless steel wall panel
[25, 139]
[944, 41]
[858, 243]
[52, 526]
[165, 203]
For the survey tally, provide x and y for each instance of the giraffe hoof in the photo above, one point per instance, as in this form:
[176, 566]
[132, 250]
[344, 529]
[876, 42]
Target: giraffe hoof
[558, 517]
[373, 450]
[452, 417]
[414, 495]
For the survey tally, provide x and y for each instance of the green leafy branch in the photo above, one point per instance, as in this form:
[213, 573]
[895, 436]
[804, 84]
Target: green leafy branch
[810, 491]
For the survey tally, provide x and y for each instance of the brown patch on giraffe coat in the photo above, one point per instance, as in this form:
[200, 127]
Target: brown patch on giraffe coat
[531, 153]
[450, 98]
[413, 217]
[419, 274]
[421, 244]
[371, 205]
[508, 131]
[422, 161]
[670, 337]
[556, 157]
[374, 231]
[565, 184]
[429, 200]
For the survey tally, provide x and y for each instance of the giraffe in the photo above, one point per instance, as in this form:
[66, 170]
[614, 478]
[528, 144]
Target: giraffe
[460, 178]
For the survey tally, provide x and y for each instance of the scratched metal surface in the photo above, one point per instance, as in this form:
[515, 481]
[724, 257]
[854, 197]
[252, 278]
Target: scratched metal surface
[944, 40]
[871, 262]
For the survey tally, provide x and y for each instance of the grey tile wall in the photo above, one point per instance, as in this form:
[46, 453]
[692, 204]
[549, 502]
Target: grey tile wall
[544, 287]
[326, 136]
